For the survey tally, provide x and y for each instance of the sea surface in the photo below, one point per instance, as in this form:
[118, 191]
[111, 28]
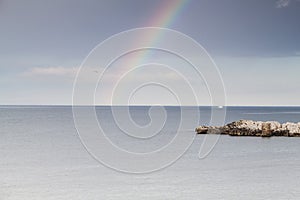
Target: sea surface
[42, 157]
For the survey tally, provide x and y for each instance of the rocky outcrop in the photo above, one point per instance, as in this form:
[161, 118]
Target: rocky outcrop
[253, 128]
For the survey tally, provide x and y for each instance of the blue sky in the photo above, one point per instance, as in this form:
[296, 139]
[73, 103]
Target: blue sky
[255, 44]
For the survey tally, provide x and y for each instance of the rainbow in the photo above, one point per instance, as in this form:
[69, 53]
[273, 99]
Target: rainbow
[168, 13]
[165, 17]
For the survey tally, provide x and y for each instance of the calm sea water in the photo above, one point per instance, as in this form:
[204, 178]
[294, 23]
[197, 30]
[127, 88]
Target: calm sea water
[41, 157]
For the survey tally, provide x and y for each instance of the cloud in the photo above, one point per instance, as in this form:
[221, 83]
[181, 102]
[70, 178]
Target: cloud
[51, 71]
[282, 3]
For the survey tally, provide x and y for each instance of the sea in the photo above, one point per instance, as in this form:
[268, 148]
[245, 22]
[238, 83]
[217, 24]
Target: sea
[42, 156]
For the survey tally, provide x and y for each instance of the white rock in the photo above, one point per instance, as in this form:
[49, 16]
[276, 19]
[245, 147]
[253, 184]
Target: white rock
[291, 127]
[274, 125]
[249, 124]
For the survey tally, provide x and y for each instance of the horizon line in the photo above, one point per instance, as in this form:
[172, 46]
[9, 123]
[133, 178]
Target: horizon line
[139, 105]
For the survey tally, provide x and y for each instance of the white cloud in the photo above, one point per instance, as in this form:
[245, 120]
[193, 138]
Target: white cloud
[51, 71]
[282, 3]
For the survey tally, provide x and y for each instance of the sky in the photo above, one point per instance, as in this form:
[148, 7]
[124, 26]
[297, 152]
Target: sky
[255, 45]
